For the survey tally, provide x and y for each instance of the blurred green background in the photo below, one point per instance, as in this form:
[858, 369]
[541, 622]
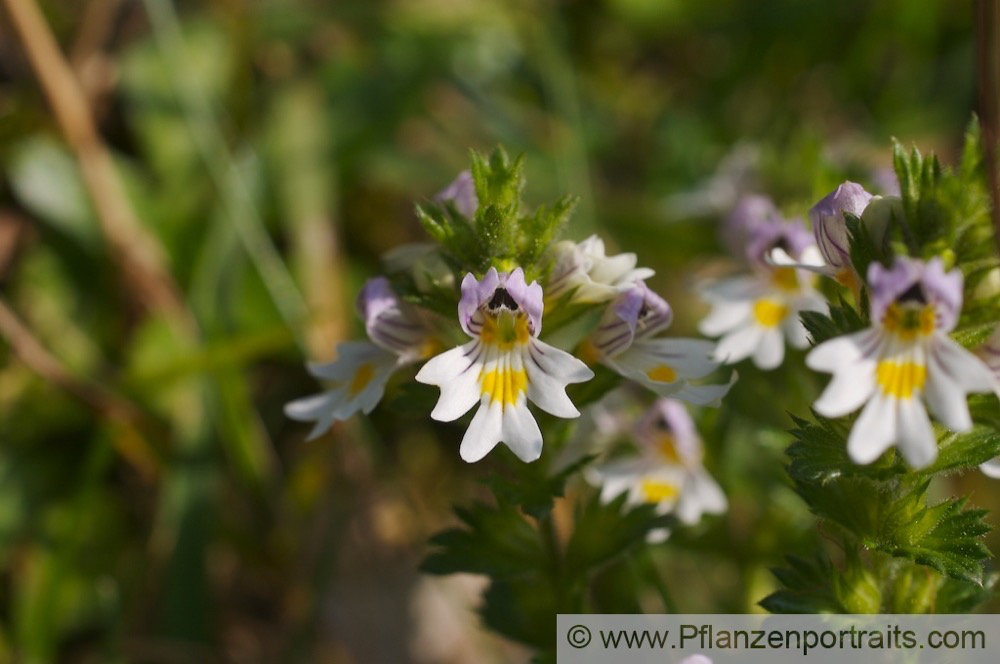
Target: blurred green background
[156, 505]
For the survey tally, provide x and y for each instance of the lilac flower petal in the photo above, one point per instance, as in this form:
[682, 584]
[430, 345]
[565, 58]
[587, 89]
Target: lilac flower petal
[462, 194]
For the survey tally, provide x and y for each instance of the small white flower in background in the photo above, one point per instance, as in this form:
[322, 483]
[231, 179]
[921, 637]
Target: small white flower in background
[668, 472]
[362, 369]
[754, 314]
[990, 354]
[589, 275]
[503, 367]
[903, 360]
[625, 342]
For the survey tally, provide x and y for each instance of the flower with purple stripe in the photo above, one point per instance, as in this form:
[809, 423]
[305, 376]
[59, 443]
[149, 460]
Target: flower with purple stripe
[502, 368]
[625, 341]
[904, 359]
[830, 228]
[362, 368]
[588, 275]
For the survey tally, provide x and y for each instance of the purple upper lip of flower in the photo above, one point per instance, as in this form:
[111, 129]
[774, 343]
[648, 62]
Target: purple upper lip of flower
[910, 280]
[669, 416]
[766, 235]
[497, 291]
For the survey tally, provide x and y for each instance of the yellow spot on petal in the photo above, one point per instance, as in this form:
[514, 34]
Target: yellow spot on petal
[505, 330]
[505, 385]
[769, 313]
[785, 278]
[908, 322]
[654, 491]
[667, 447]
[662, 374]
[361, 378]
[900, 379]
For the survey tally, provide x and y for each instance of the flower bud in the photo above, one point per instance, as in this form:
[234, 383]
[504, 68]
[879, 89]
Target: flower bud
[830, 226]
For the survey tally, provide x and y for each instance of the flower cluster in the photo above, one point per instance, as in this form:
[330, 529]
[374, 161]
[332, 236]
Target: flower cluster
[505, 364]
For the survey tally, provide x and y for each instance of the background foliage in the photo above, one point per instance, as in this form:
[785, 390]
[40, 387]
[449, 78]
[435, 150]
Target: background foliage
[157, 506]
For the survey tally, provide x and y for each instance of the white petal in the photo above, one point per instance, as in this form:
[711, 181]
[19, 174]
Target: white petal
[770, 350]
[484, 431]
[944, 398]
[851, 386]
[559, 364]
[738, 344]
[795, 332]
[351, 355]
[967, 370]
[309, 408]
[836, 353]
[690, 358]
[874, 432]
[916, 443]
[704, 395]
[320, 408]
[456, 372]
[520, 431]
[701, 495]
[991, 468]
[725, 316]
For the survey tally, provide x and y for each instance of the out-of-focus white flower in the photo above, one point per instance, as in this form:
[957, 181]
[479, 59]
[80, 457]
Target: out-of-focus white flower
[583, 270]
[668, 472]
[503, 367]
[625, 342]
[903, 360]
[755, 314]
[362, 369]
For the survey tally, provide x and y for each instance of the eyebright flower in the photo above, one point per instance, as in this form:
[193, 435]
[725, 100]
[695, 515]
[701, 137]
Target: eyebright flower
[363, 368]
[830, 227]
[625, 342]
[905, 358]
[750, 212]
[668, 472]
[462, 194]
[755, 313]
[503, 367]
[589, 275]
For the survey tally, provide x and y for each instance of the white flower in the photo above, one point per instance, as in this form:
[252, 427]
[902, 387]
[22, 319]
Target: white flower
[755, 314]
[362, 369]
[584, 271]
[625, 342]
[668, 472]
[904, 359]
[503, 367]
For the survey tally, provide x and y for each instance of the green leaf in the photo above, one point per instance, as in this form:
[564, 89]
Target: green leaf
[946, 538]
[605, 531]
[807, 587]
[496, 541]
[958, 451]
